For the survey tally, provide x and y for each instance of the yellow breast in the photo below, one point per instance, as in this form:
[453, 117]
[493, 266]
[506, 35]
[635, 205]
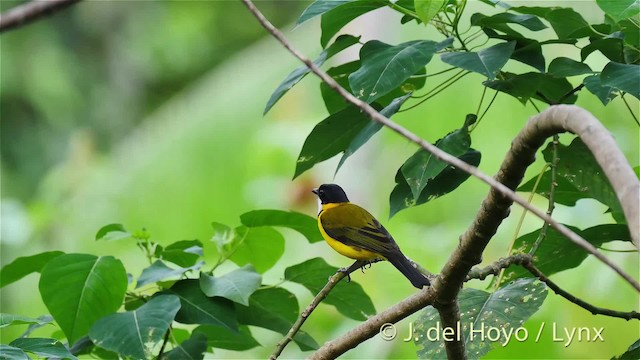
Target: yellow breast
[345, 250]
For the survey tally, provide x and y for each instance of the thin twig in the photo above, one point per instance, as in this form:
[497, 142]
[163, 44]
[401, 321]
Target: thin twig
[31, 11]
[485, 111]
[554, 184]
[435, 92]
[572, 118]
[164, 343]
[573, 91]
[583, 304]
[629, 108]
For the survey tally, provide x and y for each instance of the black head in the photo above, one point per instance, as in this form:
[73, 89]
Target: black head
[330, 193]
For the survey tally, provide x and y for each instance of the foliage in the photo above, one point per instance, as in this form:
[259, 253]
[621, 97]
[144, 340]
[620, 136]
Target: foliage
[180, 306]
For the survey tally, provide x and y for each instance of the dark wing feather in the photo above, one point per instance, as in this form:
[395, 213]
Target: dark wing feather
[354, 226]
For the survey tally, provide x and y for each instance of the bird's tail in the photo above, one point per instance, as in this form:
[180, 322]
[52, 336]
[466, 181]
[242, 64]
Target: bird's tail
[408, 270]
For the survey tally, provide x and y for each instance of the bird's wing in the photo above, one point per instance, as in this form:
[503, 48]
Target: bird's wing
[354, 226]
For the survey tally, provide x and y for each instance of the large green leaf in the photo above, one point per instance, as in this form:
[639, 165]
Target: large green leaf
[424, 166]
[79, 289]
[222, 338]
[330, 137]
[12, 353]
[319, 7]
[348, 298]
[563, 67]
[302, 223]
[236, 286]
[497, 21]
[371, 129]
[619, 9]
[625, 77]
[526, 51]
[160, 271]
[543, 87]
[445, 182]
[604, 93]
[25, 265]
[489, 315]
[42, 347]
[566, 22]
[335, 19]
[427, 9]
[633, 352]
[11, 319]
[190, 349]
[487, 62]
[137, 333]
[384, 67]
[341, 43]
[556, 253]
[275, 309]
[198, 308]
[184, 253]
[261, 247]
[612, 47]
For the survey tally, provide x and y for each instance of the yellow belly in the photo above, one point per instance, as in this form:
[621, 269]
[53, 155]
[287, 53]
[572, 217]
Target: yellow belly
[346, 250]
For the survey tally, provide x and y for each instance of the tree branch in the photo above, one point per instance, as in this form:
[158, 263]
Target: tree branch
[31, 11]
[556, 119]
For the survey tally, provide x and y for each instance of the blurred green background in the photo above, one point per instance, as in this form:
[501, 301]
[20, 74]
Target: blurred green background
[149, 114]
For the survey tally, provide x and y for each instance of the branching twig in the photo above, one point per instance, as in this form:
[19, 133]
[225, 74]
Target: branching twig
[30, 11]
[556, 119]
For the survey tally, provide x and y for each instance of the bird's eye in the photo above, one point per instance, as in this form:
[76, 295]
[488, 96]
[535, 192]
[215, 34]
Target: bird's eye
[321, 192]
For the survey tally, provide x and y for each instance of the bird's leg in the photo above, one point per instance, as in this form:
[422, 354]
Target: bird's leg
[356, 265]
[368, 263]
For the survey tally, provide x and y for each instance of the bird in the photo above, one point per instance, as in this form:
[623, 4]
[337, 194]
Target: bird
[353, 232]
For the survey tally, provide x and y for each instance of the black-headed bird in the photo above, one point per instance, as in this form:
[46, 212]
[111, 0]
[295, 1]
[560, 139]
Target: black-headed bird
[353, 232]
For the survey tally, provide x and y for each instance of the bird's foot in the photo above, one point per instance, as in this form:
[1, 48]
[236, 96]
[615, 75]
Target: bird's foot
[347, 272]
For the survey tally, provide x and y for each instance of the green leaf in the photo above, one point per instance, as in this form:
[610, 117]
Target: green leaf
[341, 43]
[25, 265]
[184, 253]
[594, 85]
[445, 182]
[335, 19]
[319, 7]
[612, 47]
[333, 101]
[497, 21]
[275, 309]
[487, 62]
[12, 353]
[79, 289]
[619, 9]
[577, 165]
[566, 22]
[11, 319]
[160, 271]
[330, 137]
[423, 166]
[348, 298]
[427, 9]
[543, 87]
[304, 224]
[43, 347]
[191, 349]
[236, 286]
[222, 338]
[137, 333]
[112, 232]
[625, 77]
[384, 67]
[198, 308]
[556, 253]
[633, 352]
[260, 246]
[371, 129]
[564, 67]
[485, 313]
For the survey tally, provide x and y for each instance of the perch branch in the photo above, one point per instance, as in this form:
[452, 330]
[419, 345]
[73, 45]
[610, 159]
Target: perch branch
[31, 11]
[556, 119]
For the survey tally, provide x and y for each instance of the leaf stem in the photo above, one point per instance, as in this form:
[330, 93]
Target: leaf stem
[402, 10]
[629, 107]
[485, 111]
[554, 183]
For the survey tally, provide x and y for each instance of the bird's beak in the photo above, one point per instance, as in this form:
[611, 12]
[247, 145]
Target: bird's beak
[315, 191]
